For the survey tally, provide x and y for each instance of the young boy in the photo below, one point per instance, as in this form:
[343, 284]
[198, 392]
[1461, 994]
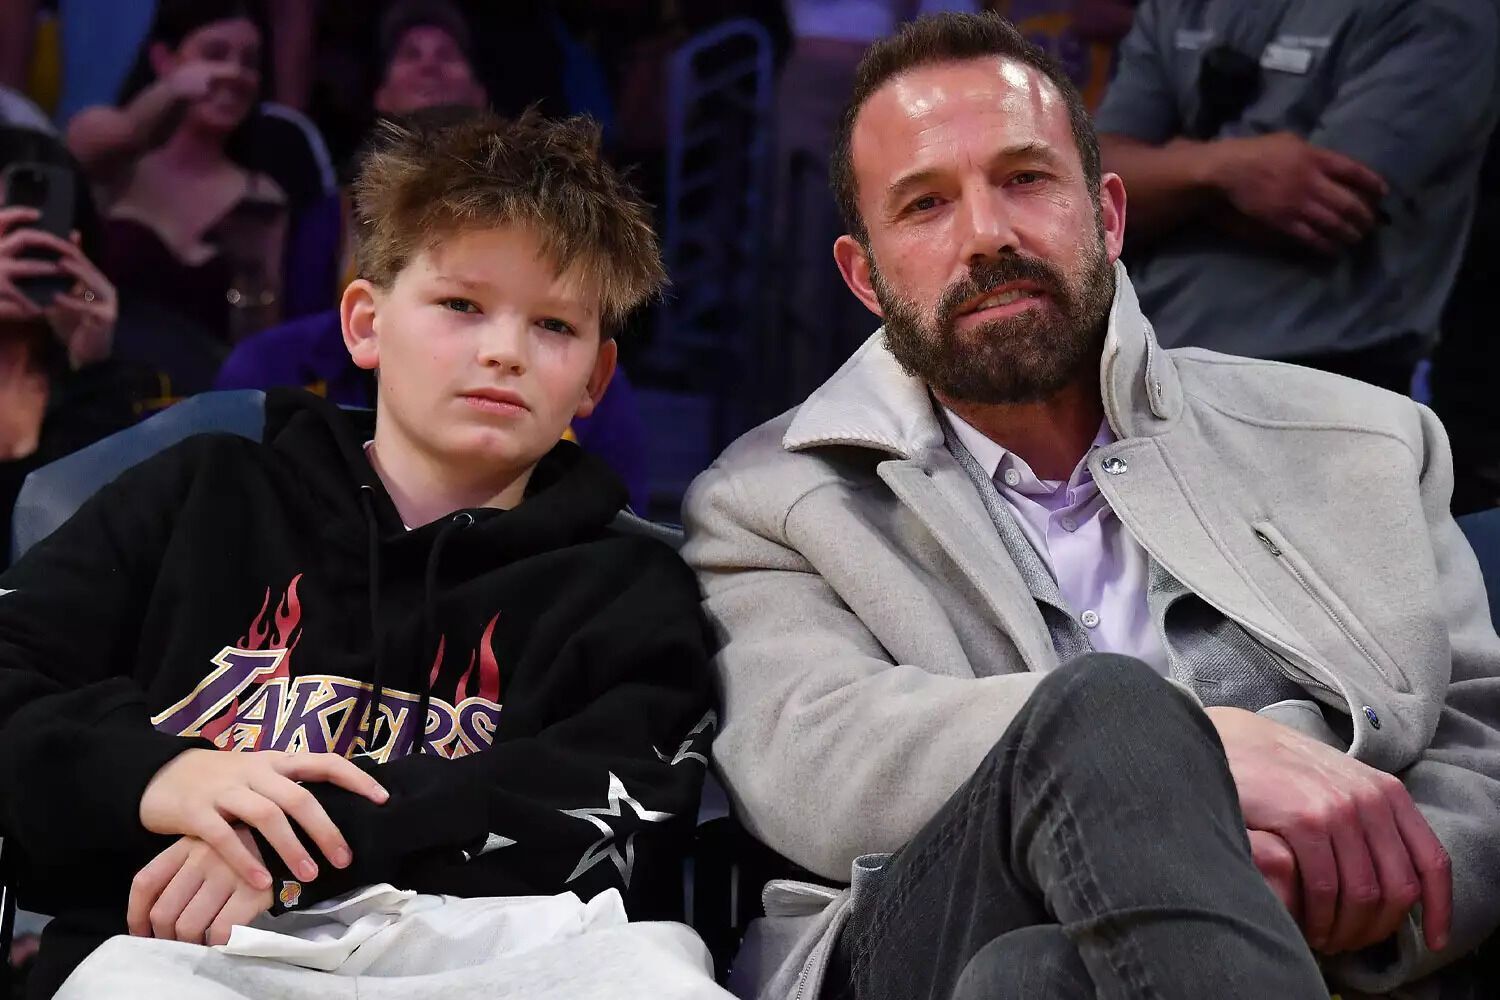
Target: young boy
[345, 606]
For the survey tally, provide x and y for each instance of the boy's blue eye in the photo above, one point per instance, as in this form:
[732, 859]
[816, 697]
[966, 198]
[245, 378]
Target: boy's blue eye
[460, 305]
[555, 325]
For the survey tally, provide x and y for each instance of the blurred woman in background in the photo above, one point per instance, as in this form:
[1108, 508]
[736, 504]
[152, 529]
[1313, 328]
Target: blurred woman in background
[188, 225]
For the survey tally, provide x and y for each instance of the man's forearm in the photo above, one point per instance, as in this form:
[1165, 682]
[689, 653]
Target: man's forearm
[1167, 185]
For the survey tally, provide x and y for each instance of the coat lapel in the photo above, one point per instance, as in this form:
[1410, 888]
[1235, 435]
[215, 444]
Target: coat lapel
[940, 494]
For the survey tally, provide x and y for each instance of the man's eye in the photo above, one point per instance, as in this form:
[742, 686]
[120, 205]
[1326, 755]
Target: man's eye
[923, 204]
[460, 305]
[1026, 177]
[555, 325]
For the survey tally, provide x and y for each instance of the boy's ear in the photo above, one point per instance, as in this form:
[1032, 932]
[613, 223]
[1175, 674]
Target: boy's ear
[357, 317]
[604, 370]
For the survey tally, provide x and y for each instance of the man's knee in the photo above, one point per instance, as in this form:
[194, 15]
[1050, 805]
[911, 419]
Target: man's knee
[1106, 698]
[1119, 685]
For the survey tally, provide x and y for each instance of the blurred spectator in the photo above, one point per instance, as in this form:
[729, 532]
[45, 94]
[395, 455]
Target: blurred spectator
[59, 389]
[1080, 34]
[1466, 362]
[188, 226]
[816, 322]
[1304, 172]
[427, 60]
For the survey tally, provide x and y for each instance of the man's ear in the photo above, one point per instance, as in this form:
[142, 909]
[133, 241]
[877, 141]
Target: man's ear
[357, 316]
[854, 265]
[599, 378]
[1112, 214]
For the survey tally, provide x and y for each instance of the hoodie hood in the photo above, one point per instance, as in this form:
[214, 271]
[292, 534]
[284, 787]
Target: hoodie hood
[570, 499]
[579, 495]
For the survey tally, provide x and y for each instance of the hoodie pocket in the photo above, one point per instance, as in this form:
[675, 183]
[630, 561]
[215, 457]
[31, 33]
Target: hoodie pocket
[1323, 595]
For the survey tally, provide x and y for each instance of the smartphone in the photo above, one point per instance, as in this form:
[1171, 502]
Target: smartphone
[48, 188]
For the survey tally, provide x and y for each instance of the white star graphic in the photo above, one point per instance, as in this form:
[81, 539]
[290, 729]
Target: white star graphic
[686, 752]
[607, 846]
[491, 843]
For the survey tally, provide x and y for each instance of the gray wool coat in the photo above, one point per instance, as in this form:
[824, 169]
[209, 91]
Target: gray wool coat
[878, 638]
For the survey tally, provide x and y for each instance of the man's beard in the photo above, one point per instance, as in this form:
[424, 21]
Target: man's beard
[1021, 359]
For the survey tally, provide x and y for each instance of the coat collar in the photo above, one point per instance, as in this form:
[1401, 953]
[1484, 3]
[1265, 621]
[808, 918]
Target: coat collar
[871, 403]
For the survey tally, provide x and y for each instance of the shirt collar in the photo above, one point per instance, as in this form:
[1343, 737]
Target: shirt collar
[990, 455]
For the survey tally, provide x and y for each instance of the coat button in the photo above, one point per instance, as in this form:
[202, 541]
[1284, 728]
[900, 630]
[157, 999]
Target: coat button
[1374, 719]
[1114, 466]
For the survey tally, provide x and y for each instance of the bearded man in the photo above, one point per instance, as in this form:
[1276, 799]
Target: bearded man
[1097, 669]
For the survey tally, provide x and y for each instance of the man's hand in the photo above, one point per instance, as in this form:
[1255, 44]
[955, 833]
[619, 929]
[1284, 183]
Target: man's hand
[1278, 866]
[1320, 198]
[1363, 852]
[200, 792]
[190, 893]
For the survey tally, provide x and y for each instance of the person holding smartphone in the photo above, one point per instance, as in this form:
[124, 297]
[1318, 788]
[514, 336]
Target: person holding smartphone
[60, 389]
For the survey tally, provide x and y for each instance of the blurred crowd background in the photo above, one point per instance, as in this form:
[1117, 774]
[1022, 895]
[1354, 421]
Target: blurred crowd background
[200, 151]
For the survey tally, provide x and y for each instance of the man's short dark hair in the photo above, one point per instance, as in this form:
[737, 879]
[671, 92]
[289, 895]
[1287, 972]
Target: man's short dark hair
[946, 38]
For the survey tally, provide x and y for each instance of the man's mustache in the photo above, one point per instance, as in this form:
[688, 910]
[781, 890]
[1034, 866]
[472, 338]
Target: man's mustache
[990, 274]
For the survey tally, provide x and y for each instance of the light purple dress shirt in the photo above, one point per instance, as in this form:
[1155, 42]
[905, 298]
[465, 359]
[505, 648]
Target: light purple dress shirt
[1100, 569]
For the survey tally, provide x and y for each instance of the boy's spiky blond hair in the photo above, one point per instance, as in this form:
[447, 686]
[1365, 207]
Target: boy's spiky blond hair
[424, 182]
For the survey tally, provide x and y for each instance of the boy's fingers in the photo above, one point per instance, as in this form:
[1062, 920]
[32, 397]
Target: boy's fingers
[169, 905]
[242, 907]
[149, 883]
[202, 909]
[219, 835]
[255, 810]
[301, 805]
[333, 769]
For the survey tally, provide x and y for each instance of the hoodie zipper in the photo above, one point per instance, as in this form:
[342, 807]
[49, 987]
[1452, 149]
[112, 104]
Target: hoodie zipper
[1282, 557]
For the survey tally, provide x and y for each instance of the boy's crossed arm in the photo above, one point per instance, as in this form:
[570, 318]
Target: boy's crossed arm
[603, 797]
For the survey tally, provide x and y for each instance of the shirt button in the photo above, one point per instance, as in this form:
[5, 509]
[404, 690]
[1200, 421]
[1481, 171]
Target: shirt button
[1090, 619]
[1012, 477]
[1069, 524]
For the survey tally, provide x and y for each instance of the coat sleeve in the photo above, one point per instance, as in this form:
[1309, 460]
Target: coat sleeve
[77, 747]
[604, 795]
[1456, 781]
[828, 749]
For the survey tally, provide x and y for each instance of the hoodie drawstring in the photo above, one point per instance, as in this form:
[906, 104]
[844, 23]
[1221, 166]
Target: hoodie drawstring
[377, 636]
[456, 523]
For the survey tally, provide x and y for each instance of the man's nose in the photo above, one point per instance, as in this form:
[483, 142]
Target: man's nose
[987, 226]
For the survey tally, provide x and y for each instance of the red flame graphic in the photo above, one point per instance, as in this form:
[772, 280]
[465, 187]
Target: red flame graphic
[489, 668]
[282, 630]
[211, 731]
[437, 663]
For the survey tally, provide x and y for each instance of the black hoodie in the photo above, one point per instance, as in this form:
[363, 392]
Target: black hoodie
[250, 596]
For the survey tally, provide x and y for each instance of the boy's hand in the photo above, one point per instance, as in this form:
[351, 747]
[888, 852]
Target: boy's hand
[200, 792]
[189, 893]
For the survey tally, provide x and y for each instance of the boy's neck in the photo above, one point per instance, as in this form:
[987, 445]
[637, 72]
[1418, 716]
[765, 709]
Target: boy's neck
[424, 489]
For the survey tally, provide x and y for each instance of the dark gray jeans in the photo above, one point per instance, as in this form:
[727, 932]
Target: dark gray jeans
[1098, 851]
